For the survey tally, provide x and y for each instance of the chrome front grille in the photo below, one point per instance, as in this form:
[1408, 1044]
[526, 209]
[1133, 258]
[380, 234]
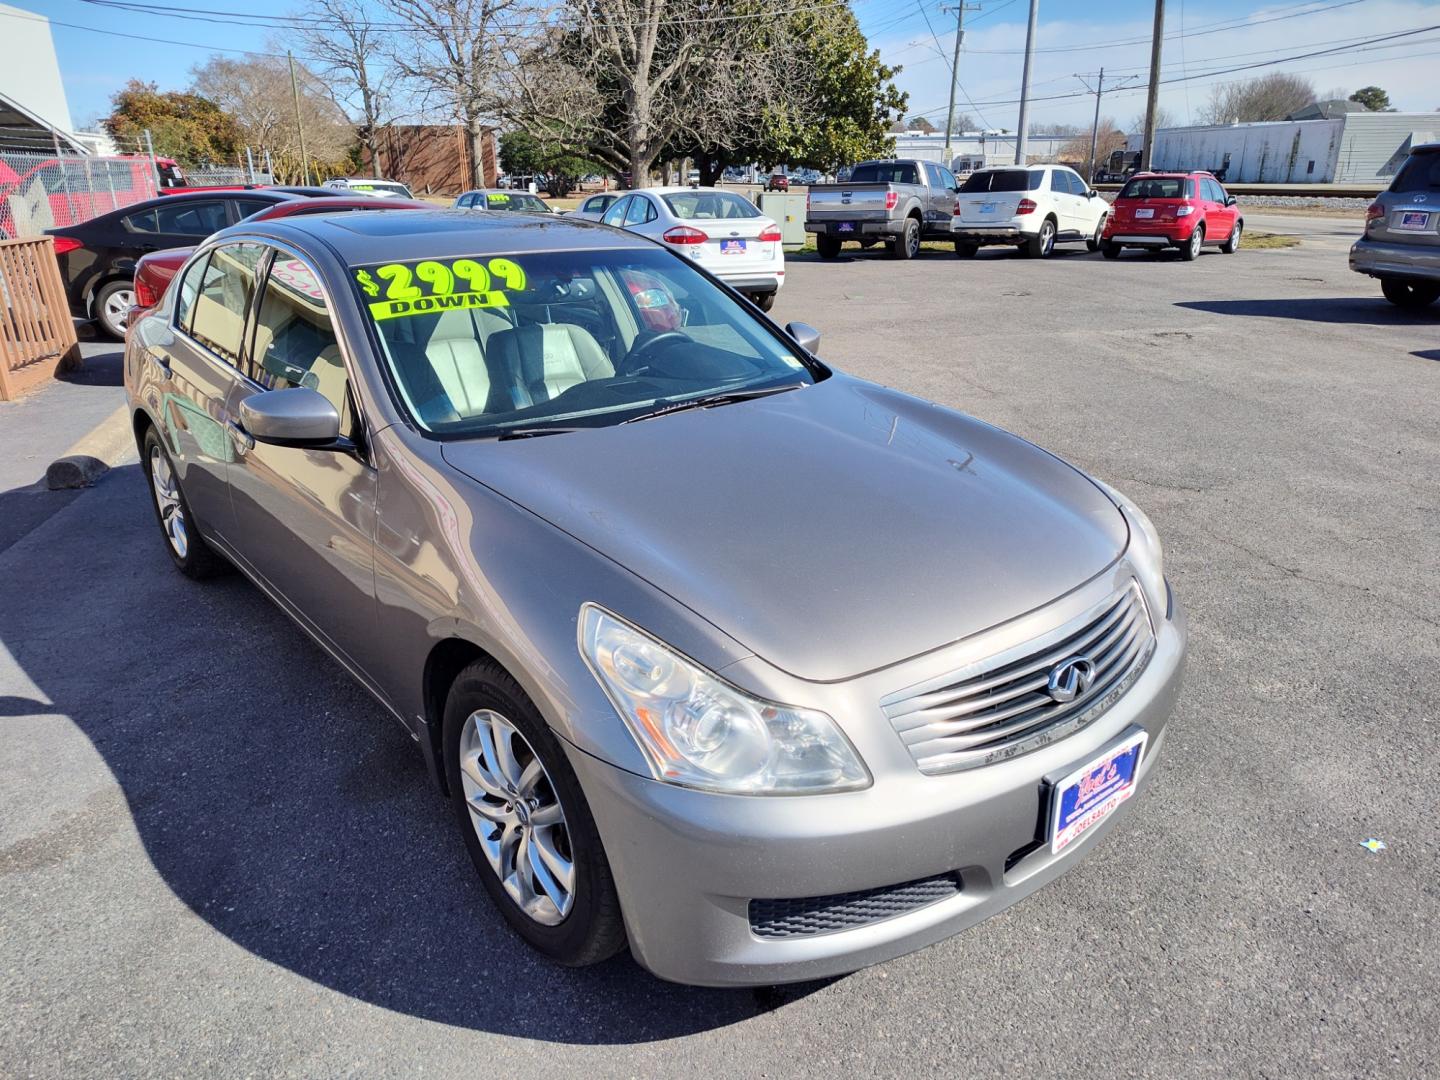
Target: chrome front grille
[1003, 706]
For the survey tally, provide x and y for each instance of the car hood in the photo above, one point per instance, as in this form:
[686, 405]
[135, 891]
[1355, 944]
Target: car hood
[831, 530]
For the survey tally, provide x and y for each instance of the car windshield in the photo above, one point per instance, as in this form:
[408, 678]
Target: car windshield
[1003, 180]
[1420, 173]
[516, 200]
[883, 172]
[1154, 187]
[696, 205]
[488, 346]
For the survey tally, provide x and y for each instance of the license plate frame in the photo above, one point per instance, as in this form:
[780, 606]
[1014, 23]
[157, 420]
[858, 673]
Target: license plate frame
[732, 247]
[1109, 779]
[1413, 220]
[844, 226]
[1144, 212]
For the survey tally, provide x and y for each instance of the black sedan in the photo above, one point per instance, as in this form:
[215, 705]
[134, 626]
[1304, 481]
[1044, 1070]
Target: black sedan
[97, 257]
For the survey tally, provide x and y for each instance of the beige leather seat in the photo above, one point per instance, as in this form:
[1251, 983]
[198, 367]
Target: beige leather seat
[456, 351]
[542, 362]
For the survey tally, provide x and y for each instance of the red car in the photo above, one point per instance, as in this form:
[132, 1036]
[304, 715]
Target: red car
[155, 271]
[777, 182]
[1172, 210]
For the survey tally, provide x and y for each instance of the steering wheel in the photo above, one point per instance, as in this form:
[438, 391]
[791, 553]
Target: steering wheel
[631, 365]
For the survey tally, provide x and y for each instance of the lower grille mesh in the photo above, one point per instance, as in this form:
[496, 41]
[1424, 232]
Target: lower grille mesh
[808, 915]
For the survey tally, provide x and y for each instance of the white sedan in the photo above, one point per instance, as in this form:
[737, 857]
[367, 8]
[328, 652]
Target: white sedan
[719, 230]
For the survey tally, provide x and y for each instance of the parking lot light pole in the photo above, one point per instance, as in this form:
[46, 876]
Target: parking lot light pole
[1023, 134]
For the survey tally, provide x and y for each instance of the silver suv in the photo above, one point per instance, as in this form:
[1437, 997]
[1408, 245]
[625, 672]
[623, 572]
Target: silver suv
[1401, 245]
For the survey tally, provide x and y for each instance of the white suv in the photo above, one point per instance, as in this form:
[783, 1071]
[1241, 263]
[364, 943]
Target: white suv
[1031, 207]
[380, 189]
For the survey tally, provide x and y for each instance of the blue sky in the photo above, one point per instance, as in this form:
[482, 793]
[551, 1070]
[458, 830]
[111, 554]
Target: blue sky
[1076, 38]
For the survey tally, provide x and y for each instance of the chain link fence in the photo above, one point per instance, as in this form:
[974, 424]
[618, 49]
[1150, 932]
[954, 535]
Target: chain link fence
[41, 191]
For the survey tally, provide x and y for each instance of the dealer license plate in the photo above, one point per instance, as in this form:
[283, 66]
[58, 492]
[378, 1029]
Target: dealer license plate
[732, 247]
[1145, 211]
[1413, 219]
[1094, 791]
[845, 226]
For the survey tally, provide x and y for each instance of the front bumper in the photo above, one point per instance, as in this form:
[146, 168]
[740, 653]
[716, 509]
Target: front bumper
[1379, 259]
[687, 863]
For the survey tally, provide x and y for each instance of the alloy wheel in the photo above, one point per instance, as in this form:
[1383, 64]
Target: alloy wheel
[167, 501]
[1047, 238]
[912, 242]
[517, 817]
[1196, 239]
[117, 307]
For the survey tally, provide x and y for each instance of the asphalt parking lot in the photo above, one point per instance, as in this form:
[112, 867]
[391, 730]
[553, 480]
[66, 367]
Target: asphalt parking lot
[217, 857]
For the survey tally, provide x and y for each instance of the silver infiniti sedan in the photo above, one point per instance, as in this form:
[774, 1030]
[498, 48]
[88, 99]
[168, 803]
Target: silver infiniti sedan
[763, 670]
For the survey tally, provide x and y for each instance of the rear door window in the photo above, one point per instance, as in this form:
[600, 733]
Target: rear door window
[190, 219]
[245, 207]
[222, 303]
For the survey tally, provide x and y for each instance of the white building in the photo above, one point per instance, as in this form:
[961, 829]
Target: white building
[976, 149]
[1356, 147]
[33, 109]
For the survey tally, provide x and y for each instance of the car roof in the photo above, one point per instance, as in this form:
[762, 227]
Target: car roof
[677, 189]
[340, 203]
[360, 238]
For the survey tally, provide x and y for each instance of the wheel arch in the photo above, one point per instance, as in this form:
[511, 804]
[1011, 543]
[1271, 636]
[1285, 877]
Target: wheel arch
[446, 659]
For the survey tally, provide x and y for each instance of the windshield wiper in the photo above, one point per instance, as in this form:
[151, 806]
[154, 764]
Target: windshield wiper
[708, 401]
[534, 432]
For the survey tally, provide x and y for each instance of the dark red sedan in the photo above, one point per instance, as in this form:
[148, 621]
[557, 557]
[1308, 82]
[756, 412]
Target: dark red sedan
[154, 272]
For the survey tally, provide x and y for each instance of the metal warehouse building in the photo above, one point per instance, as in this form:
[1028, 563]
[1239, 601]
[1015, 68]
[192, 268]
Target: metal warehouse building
[1353, 148]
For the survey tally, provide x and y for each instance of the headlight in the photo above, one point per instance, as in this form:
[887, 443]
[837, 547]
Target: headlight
[698, 731]
[1145, 552]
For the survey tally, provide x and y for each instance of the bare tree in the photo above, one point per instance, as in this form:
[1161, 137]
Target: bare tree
[1269, 97]
[340, 35]
[1108, 139]
[256, 92]
[1164, 118]
[454, 53]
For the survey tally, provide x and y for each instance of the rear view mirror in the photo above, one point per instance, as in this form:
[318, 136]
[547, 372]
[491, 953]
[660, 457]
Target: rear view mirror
[297, 416]
[804, 335]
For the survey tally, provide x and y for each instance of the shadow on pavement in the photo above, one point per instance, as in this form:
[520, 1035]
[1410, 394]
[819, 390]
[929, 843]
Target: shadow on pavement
[1427, 354]
[1370, 311]
[283, 805]
[103, 366]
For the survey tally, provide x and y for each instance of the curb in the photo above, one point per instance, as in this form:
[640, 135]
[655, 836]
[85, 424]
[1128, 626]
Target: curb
[106, 445]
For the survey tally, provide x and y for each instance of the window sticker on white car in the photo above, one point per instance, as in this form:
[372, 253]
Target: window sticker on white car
[422, 288]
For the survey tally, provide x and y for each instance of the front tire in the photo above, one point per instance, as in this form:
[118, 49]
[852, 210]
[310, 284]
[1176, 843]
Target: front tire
[1410, 294]
[1190, 250]
[827, 246]
[112, 307]
[526, 822]
[188, 550]
[1094, 242]
[907, 244]
[1232, 242]
[1042, 243]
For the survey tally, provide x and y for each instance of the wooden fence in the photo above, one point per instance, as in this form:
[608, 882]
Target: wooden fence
[37, 336]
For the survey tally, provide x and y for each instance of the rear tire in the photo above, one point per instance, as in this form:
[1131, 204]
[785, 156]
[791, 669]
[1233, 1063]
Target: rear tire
[966, 249]
[1110, 249]
[1412, 295]
[112, 306]
[1190, 250]
[907, 244]
[827, 246]
[1042, 243]
[589, 929]
[1232, 242]
[764, 301]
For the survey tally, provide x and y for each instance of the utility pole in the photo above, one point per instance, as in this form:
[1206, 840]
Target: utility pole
[960, 10]
[1023, 135]
[1152, 97]
[1095, 127]
[299, 127]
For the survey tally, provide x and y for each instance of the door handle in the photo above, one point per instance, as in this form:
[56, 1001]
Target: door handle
[243, 440]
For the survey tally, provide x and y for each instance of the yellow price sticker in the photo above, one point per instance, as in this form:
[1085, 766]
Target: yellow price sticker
[423, 288]
[497, 197]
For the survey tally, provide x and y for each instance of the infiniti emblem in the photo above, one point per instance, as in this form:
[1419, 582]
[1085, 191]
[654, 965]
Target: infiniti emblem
[1070, 678]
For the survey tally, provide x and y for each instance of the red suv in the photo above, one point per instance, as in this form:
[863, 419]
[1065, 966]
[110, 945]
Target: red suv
[1181, 210]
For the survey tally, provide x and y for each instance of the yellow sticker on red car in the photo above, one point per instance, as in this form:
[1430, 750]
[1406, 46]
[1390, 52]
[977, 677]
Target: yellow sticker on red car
[436, 285]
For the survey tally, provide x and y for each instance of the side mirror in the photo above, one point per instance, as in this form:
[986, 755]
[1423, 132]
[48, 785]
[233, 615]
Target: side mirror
[1230, 200]
[804, 335]
[297, 416]
[1091, 193]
